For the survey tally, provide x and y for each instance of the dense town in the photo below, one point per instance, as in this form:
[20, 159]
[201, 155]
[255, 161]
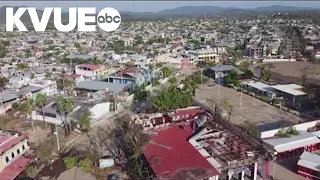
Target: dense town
[183, 99]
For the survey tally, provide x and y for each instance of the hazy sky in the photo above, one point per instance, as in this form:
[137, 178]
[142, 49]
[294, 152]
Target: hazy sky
[154, 6]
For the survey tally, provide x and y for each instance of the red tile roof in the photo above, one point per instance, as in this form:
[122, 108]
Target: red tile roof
[72, 76]
[124, 71]
[90, 66]
[171, 156]
[5, 145]
[15, 168]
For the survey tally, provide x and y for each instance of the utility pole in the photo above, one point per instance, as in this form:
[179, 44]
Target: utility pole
[4, 107]
[58, 143]
[240, 95]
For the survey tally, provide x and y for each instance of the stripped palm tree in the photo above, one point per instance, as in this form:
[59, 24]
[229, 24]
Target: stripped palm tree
[41, 101]
[65, 107]
[27, 108]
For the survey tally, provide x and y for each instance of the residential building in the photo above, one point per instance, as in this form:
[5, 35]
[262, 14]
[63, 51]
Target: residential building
[89, 71]
[49, 87]
[208, 54]
[13, 147]
[219, 71]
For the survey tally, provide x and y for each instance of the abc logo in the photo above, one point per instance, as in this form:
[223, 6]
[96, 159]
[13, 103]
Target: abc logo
[109, 19]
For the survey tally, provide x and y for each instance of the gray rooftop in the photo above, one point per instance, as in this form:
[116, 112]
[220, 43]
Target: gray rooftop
[220, 68]
[101, 85]
[28, 89]
[5, 97]
[80, 56]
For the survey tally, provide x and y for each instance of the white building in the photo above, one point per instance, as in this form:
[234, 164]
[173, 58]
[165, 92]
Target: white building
[89, 70]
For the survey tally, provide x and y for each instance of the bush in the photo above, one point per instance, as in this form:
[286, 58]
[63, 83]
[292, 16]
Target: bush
[293, 131]
[70, 162]
[282, 133]
[15, 106]
[30, 170]
[85, 165]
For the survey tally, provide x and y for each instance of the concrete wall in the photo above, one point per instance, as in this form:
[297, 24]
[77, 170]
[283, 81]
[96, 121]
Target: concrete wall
[300, 127]
[13, 150]
[130, 98]
[99, 110]
[279, 60]
[56, 120]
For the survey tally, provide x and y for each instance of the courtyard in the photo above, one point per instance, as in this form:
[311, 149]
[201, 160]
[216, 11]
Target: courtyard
[263, 114]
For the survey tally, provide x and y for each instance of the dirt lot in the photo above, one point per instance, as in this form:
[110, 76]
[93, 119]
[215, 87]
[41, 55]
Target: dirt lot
[266, 116]
[290, 72]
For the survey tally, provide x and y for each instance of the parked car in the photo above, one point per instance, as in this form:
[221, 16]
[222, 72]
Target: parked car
[113, 177]
[138, 110]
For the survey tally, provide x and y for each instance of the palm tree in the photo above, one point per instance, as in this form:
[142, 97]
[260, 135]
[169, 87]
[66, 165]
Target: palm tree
[213, 104]
[65, 107]
[27, 108]
[228, 107]
[249, 127]
[173, 81]
[41, 101]
[265, 73]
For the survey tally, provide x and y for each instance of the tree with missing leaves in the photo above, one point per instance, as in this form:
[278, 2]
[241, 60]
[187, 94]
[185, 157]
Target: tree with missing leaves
[27, 108]
[41, 101]
[3, 82]
[305, 73]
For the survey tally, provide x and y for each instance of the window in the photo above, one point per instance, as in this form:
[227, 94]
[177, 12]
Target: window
[23, 148]
[18, 151]
[12, 155]
[7, 159]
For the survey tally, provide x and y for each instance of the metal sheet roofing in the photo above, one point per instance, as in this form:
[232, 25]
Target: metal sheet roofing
[101, 85]
[293, 142]
[180, 160]
[220, 68]
[258, 85]
[290, 89]
[5, 97]
[309, 160]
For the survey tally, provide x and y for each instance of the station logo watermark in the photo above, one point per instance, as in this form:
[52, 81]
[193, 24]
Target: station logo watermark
[108, 19]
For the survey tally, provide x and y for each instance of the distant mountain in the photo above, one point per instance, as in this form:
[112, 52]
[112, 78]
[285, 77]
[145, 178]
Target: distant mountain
[185, 11]
[278, 8]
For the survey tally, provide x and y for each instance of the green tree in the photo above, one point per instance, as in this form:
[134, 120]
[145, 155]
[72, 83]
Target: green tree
[28, 53]
[265, 73]
[173, 81]
[85, 120]
[77, 45]
[95, 60]
[118, 46]
[249, 127]
[70, 162]
[27, 108]
[22, 65]
[48, 75]
[232, 78]
[65, 84]
[3, 82]
[65, 107]
[41, 101]
[3, 50]
[85, 165]
[32, 76]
